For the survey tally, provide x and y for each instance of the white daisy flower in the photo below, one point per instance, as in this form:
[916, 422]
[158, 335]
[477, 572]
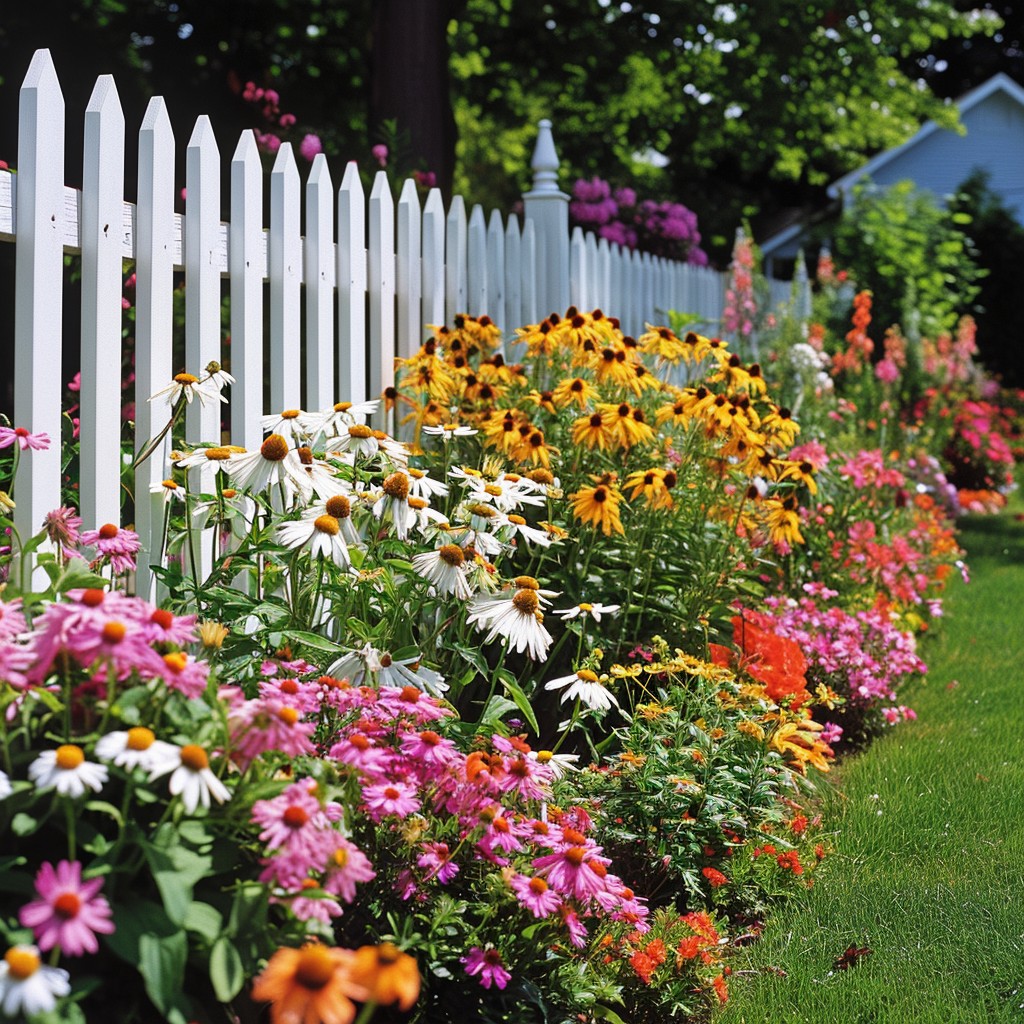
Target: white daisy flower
[514, 616]
[529, 534]
[289, 423]
[393, 503]
[584, 686]
[446, 431]
[170, 489]
[219, 377]
[421, 485]
[357, 439]
[66, 770]
[191, 777]
[5, 786]
[216, 456]
[505, 494]
[426, 520]
[371, 665]
[559, 764]
[324, 480]
[135, 748]
[272, 463]
[397, 452]
[322, 534]
[235, 509]
[27, 985]
[444, 569]
[332, 422]
[595, 611]
[184, 384]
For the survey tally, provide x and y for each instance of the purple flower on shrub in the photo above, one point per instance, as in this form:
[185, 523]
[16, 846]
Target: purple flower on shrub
[618, 233]
[625, 197]
[310, 146]
[487, 963]
[380, 154]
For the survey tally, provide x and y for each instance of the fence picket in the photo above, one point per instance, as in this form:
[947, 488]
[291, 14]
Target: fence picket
[577, 269]
[351, 287]
[604, 271]
[381, 285]
[455, 285]
[433, 260]
[531, 304]
[154, 328]
[102, 230]
[513, 315]
[246, 265]
[319, 263]
[476, 264]
[38, 289]
[495, 305]
[408, 273]
[285, 258]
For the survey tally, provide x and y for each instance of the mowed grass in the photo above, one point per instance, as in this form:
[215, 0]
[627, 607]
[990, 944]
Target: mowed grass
[928, 869]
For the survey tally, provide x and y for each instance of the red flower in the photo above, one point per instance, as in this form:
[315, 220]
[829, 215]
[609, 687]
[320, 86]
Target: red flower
[715, 877]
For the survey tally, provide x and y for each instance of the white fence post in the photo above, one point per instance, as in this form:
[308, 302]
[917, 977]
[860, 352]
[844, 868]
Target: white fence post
[408, 272]
[548, 208]
[455, 285]
[381, 285]
[102, 234]
[247, 265]
[433, 260]
[154, 328]
[476, 264]
[496, 283]
[38, 289]
[285, 258]
[351, 287]
[319, 277]
[513, 316]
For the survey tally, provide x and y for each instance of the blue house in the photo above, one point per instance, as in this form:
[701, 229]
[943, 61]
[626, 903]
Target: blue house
[936, 159]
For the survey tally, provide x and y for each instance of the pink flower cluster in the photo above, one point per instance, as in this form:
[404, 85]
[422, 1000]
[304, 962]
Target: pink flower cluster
[103, 631]
[484, 810]
[268, 101]
[662, 228]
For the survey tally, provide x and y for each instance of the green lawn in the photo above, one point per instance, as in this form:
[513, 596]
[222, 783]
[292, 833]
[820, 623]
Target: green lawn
[929, 837]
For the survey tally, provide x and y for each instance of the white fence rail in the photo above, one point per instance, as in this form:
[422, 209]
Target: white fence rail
[344, 299]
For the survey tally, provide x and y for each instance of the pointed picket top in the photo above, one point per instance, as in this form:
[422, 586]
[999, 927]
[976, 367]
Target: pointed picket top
[285, 264]
[380, 282]
[545, 162]
[101, 232]
[351, 276]
[246, 268]
[408, 274]
[41, 76]
[284, 162]
[432, 246]
[320, 271]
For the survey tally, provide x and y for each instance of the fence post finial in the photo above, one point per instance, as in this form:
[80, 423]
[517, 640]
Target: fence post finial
[548, 207]
[545, 160]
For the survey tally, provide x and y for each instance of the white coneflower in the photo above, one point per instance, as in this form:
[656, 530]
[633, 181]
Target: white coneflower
[514, 616]
[6, 789]
[447, 431]
[216, 456]
[324, 479]
[421, 485]
[187, 386]
[393, 503]
[137, 747]
[321, 533]
[370, 665]
[219, 378]
[558, 764]
[170, 489]
[27, 985]
[332, 422]
[444, 569]
[529, 534]
[272, 463]
[191, 777]
[594, 611]
[507, 495]
[288, 423]
[66, 770]
[584, 686]
[396, 452]
[425, 520]
[357, 439]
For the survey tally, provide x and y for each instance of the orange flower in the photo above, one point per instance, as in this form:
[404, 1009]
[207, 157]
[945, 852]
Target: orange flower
[311, 985]
[388, 975]
[714, 877]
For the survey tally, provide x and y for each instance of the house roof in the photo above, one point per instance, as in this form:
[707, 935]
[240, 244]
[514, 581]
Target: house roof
[997, 83]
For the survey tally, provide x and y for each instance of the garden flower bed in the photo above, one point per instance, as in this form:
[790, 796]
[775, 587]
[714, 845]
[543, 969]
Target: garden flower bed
[503, 696]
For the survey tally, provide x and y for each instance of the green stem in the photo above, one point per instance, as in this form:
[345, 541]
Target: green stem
[366, 1012]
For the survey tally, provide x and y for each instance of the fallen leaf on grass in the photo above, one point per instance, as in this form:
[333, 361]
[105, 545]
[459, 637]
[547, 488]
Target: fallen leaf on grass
[850, 957]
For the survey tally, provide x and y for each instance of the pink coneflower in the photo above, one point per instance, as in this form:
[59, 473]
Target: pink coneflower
[577, 930]
[412, 702]
[68, 913]
[437, 862]
[118, 545]
[25, 439]
[577, 870]
[182, 672]
[488, 964]
[61, 526]
[310, 908]
[527, 777]
[162, 626]
[536, 895]
[360, 751]
[346, 866]
[428, 748]
[261, 725]
[386, 798]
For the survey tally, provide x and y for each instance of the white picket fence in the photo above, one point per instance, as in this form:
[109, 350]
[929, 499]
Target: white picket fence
[368, 275]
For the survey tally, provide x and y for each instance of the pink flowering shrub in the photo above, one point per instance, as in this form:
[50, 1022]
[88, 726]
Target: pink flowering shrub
[660, 228]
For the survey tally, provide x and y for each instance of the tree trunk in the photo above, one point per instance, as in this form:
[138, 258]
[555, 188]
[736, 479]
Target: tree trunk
[409, 82]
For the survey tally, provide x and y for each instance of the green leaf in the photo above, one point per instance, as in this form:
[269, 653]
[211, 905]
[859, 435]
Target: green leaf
[204, 920]
[318, 643]
[175, 869]
[24, 824]
[162, 966]
[77, 574]
[522, 702]
[102, 807]
[226, 971]
[248, 909]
